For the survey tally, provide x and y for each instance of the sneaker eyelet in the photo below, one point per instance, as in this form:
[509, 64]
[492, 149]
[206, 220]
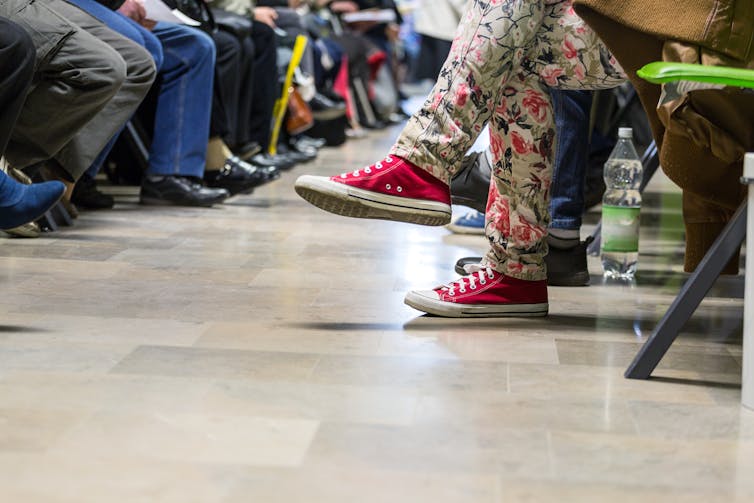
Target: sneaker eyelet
[462, 290]
[399, 189]
[389, 159]
[473, 287]
[482, 281]
[378, 165]
[368, 171]
[451, 293]
[344, 176]
[388, 186]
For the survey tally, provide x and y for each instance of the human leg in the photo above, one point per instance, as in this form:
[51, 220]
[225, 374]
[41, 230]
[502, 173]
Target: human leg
[80, 74]
[184, 105]
[19, 203]
[85, 148]
[177, 156]
[16, 72]
[265, 84]
[566, 259]
[502, 67]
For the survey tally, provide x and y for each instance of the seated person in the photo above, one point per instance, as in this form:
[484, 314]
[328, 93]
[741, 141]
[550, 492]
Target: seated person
[499, 71]
[251, 140]
[186, 59]
[90, 81]
[19, 203]
[701, 137]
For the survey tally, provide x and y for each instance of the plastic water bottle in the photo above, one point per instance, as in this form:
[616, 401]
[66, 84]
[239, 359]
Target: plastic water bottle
[621, 205]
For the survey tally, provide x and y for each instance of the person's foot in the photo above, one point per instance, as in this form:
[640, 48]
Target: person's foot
[21, 204]
[470, 223]
[483, 293]
[323, 108]
[565, 267]
[247, 150]
[86, 195]
[297, 155]
[179, 191]
[392, 189]
[308, 141]
[238, 176]
[279, 161]
[471, 185]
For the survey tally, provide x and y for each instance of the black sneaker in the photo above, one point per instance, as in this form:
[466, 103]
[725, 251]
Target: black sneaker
[565, 267]
[471, 185]
[179, 191]
[86, 195]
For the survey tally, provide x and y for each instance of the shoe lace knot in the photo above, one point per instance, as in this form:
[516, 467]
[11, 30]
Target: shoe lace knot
[462, 285]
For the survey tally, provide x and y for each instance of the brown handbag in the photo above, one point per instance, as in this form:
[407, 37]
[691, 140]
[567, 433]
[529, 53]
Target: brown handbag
[299, 117]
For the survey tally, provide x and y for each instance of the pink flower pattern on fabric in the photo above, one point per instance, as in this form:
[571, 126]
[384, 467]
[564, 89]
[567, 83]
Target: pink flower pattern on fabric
[506, 57]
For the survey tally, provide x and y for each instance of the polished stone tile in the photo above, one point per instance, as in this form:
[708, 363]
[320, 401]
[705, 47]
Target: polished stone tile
[620, 354]
[411, 373]
[432, 449]
[344, 484]
[217, 363]
[195, 438]
[261, 351]
[333, 403]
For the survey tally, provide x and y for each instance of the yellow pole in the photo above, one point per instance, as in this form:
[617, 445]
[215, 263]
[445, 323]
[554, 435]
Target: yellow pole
[281, 105]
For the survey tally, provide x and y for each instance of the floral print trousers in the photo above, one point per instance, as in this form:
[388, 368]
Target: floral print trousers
[506, 56]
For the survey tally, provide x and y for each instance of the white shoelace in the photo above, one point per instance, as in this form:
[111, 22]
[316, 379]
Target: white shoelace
[368, 170]
[481, 274]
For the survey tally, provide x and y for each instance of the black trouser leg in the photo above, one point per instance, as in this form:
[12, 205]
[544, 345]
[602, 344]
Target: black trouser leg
[265, 84]
[16, 71]
[227, 85]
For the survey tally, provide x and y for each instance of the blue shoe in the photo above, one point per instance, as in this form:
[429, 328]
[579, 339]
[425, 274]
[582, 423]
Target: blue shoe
[471, 223]
[21, 204]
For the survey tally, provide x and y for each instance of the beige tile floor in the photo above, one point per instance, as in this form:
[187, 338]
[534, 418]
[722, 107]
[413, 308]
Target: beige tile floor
[261, 352]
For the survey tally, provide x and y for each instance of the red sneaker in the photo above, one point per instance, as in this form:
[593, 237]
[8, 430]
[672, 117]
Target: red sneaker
[392, 189]
[485, 293]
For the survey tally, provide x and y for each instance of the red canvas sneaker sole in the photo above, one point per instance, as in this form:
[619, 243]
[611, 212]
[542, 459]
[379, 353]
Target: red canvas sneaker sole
[429, 302]
[349, 201]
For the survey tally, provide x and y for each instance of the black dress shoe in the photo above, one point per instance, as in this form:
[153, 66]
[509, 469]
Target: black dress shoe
[565, 267]
[238, 176]
[308, 150]
[279, 161]
[86, 195]
[325, 109]
[179, 191]
[317, 143]
[299, 155]
[471, 185]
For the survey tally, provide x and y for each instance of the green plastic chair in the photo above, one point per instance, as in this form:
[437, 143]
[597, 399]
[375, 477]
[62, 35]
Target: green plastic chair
[662, 73]
[724, 248]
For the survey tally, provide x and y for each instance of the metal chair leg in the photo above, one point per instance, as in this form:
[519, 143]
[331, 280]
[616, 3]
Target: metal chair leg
[690, 296]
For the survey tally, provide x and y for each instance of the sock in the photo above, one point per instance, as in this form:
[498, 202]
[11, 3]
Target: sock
[563, 238]
[217, 153]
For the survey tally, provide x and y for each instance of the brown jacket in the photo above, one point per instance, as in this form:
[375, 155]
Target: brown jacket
[703, 138]
[725, 26]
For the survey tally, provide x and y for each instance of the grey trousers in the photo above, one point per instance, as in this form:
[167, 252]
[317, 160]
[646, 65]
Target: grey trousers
[89, 81]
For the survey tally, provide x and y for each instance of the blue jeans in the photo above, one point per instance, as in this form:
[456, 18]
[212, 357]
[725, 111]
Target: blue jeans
[185, 58]
[130, 29]
[572, 110]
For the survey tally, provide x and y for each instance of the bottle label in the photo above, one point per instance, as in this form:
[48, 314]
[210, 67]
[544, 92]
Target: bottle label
[620, 228]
